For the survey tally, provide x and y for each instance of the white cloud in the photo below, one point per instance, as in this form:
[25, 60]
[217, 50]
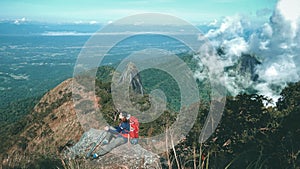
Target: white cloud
[265, 89]
[271, 72]
[289, 9]
[65, 33]
[19, 21]
[264, 45]
[279, 71]
[231, 27]
[93, 22]
[236, 46]
[276, 43]
[267, 30]
[79, 22]
[213, 23]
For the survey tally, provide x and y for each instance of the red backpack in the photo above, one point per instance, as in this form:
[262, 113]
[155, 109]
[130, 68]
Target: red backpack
[134, 127]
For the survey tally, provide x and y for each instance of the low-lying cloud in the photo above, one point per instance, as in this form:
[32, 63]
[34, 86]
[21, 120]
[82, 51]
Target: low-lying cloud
[275, 43]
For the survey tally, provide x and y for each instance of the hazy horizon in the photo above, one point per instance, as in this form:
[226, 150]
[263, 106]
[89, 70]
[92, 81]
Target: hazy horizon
[268, 29]
[104, 12]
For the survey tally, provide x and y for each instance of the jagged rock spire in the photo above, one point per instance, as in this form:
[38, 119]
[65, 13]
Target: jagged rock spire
[131, 74]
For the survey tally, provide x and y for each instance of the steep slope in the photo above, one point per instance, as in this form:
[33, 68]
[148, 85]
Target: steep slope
[53, 124]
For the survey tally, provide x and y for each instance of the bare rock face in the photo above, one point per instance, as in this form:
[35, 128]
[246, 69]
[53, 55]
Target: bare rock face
[247, 65]
[124, 156]
[131, 74]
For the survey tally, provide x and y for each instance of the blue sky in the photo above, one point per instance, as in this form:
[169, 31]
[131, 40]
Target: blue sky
[194, 11]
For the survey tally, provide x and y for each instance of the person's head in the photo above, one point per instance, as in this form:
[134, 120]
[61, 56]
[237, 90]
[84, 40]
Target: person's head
[124, 116]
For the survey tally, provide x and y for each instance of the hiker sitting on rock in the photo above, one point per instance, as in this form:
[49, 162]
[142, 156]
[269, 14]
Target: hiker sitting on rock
[120, 133]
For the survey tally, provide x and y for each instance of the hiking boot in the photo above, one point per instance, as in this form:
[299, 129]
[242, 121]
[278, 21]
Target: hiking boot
[95, 155]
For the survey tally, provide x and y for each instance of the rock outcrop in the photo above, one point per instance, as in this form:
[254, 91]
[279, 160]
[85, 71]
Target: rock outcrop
[127, 155]
[131, 74]
[247, 65]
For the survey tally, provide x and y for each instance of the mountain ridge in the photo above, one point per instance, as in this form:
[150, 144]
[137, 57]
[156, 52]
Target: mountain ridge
[52, 125]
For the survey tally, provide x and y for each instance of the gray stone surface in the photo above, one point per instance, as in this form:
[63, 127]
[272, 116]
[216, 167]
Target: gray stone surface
[124, 156]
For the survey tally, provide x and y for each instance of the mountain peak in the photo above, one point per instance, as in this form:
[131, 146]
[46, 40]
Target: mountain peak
[247, 65]
[131, 75]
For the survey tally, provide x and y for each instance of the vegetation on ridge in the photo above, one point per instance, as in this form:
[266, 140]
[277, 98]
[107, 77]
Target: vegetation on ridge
[250, 135]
